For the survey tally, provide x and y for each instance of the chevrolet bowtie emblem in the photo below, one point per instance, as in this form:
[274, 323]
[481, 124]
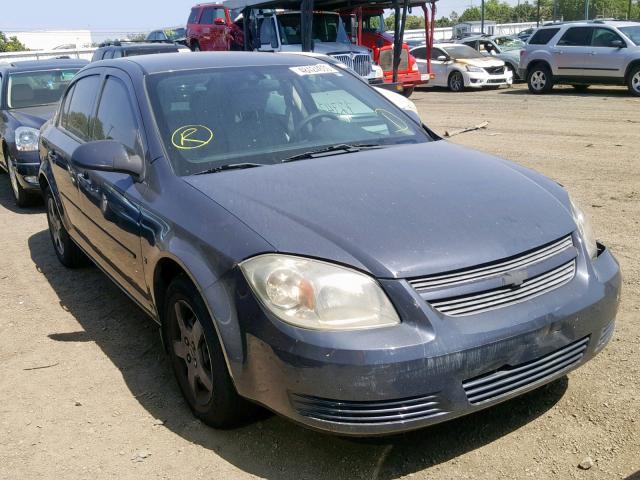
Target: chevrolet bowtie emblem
[514, 279]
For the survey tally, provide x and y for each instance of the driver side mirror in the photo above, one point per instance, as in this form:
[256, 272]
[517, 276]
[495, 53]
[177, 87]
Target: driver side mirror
[107, 156]
[379, 42]
[219, 21]
[617, 44]
[441, 58]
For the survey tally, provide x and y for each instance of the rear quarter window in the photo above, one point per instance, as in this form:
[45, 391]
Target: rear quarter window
[543, 36]
[193, 16]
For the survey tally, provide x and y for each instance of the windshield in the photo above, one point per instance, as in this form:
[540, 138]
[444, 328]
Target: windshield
[269, 114]
[633, 33]
[327, 27]
[462, 51]
[31, 89]
[509, 43]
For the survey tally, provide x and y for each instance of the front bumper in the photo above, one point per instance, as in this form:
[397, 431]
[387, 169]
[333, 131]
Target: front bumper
[423, 371]
[27, 165]
[408, 79]
[480, 79]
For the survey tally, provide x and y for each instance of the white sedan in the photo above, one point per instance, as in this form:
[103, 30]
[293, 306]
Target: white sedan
[459, 66]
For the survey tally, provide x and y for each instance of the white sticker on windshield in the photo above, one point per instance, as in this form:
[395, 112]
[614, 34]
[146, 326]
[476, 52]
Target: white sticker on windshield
[320, 68]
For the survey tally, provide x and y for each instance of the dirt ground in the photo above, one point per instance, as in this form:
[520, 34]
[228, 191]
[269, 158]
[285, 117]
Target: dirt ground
[105, 404]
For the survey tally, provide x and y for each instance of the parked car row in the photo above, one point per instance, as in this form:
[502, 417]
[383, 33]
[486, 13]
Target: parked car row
[225, 194]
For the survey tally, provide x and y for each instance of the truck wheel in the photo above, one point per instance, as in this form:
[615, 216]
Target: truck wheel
[408, 91]
[456, 82]
[540, 79]
[634, 81]
[195, 47]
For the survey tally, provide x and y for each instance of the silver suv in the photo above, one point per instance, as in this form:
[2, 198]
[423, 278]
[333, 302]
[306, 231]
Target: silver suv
[581, 54]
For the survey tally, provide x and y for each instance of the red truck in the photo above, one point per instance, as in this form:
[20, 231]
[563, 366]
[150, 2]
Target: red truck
[367, 29]
[210, 27]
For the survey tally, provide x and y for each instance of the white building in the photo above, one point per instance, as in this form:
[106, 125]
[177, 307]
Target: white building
[50, 39]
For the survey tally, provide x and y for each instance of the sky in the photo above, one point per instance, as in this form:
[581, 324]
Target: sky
[120, 15]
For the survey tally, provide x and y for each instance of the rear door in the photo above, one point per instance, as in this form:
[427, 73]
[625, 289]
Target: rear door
[420, 54]
[72, 131]
[607, 60]
[572, 52]
[110, 200]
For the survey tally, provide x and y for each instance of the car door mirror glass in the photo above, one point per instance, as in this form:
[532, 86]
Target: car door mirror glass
[107, 156]
[218, 21]
[617, 44]
[441, 58]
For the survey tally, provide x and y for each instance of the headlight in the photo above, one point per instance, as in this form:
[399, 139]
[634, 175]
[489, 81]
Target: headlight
[318, 295]
[585, 229]
[27, 139]
[377, 71]
[471, 68]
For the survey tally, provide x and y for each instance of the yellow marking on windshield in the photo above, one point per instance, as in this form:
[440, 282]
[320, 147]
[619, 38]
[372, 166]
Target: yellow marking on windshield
[190, 137]
[397, 122]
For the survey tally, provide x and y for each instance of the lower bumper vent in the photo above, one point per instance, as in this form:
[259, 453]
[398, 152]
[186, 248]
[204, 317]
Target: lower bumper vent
[504, 381]
[351, 412]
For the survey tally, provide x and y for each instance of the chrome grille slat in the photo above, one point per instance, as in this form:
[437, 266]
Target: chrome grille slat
[487, 271]
[359, 63]
[494, 385]
[485, 301]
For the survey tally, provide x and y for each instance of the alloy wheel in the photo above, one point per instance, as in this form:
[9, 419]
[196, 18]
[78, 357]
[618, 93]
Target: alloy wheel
[55, 225]
[13, 178]
[191, 351]
[635, 82]
[538, 80]
[456, 83]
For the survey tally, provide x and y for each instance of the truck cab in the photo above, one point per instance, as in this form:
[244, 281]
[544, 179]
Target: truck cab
[281, 31]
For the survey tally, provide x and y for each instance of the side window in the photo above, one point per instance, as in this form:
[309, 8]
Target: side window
[115, 119]
[436, 52]
[108, 54]
[543, 36]
[193, 16]
[602, 37]
[210, 14]
[117, 53]
[420, 53]
[266, 31]
[576, 37]
[64, 108]
[81, 106]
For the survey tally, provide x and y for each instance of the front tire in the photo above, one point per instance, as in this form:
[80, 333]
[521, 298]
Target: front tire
[408, 91]
[540, 79]
[196, 47]
[456, 82]
[633, 82]
[20, 195]
[66, 250]
[197, 358]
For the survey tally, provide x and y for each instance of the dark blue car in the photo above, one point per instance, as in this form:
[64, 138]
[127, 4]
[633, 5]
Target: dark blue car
[29, 94]
[307, 246]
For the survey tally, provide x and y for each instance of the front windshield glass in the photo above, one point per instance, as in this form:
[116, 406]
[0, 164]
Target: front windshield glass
[32, 89]
[509, 43]
[462, 51]
[633, 33]
[221, 116]
[326, 28]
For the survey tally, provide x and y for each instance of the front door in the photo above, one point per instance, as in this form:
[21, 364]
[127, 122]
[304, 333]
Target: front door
[606, 59]
[214, 30]
[439, 67]
[110, 200]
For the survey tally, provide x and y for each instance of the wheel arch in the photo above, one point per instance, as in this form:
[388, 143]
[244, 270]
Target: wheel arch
[630, 67]
[537, 63]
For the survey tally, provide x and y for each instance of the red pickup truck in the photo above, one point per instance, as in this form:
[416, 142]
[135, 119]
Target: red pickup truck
[210, 27]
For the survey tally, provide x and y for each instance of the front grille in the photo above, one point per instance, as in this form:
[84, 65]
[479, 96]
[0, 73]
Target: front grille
[495, 70]
[353, 412]
[482, 272]
[503, 296]
[504, 381]
[495, 80]
[386, 60]
[359, 63]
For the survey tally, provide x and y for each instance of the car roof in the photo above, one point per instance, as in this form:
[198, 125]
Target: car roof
[208, 5]
[29, 65]
[140, 45]
[592, 23]
[165, 62]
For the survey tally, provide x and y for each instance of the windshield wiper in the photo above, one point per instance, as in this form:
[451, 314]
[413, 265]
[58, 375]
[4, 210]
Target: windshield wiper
[231, 166]
[332, 150]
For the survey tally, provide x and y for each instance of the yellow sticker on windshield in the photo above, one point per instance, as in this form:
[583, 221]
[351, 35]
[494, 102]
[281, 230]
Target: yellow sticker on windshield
[190, 137]
[397, 122]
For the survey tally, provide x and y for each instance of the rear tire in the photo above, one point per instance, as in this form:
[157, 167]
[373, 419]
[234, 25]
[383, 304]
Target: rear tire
[633, 82]
[456, 82]
[198, 360]
[540, 79]
[408, 91]
[66, 250]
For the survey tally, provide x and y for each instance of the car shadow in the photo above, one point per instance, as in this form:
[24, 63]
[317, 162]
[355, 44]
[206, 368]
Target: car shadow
[568, 91]
[7, 201]
[269, 446]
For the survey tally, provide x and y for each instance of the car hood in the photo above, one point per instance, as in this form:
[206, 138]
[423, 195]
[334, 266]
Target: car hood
[397, 212]
[335, 48]
[481, 62]
[33, 117]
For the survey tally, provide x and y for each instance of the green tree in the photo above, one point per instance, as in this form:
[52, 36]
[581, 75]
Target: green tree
[11, 44]
[413, 22]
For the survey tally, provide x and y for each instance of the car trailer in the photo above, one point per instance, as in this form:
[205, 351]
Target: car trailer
[307, 8]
